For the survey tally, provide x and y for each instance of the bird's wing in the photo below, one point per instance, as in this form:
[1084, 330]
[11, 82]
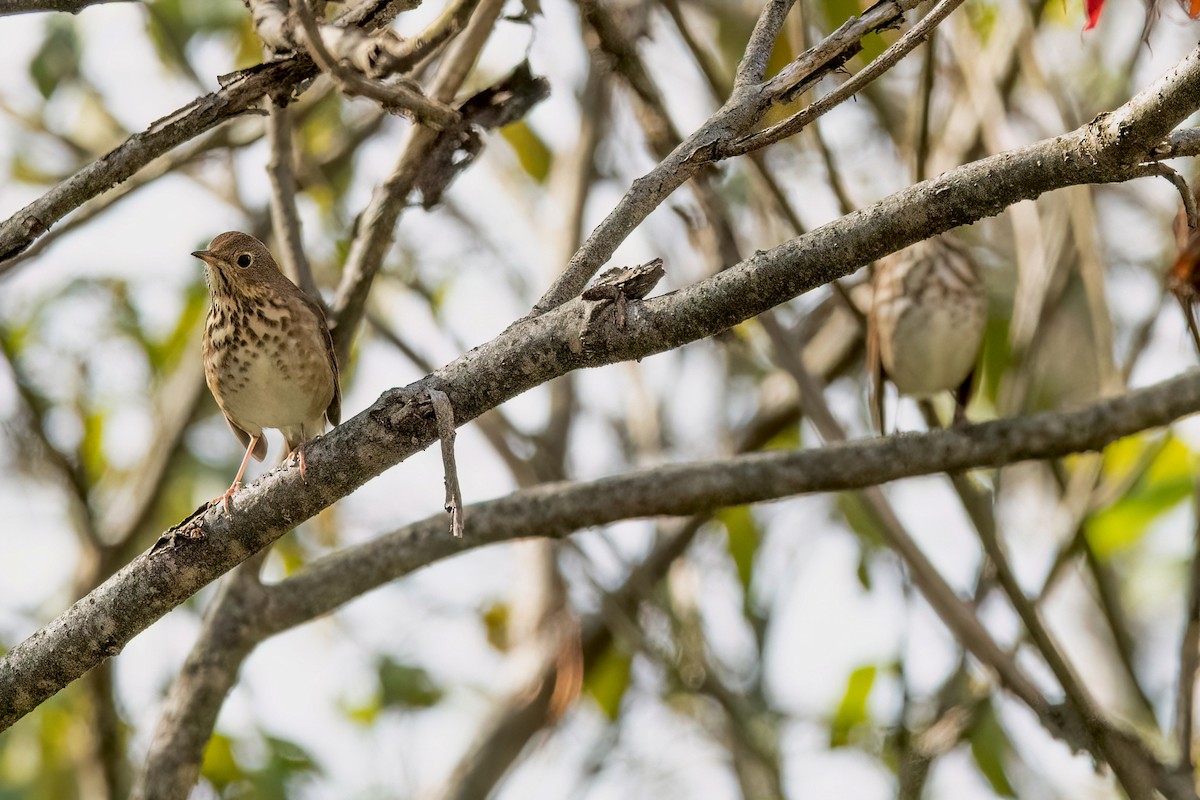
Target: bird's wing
[260, 447]
[334, 412]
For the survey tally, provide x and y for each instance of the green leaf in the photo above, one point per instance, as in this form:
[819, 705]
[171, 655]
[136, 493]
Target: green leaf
[996, 357]
[532, 152]
[220, 767]
[786, 439]
[991, 747]
[91, 446]
[837, 12]
[27, 170]
[364, 714]
[859, 518]
[172, 24]
[852, 711]
[57, 60]
[983, 16]
[1166, 482]
[743, 539]
[496, 621]
[607, 681]
[182, 337]
[407, 686]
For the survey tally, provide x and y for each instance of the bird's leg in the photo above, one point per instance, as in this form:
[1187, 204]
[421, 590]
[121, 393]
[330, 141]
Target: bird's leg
[227, 498]
[962, 396]
[298, 451]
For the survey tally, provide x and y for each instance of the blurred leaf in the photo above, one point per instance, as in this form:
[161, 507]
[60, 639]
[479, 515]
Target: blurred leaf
[607, 681]
[532, 152]
[286, 761]
[219, 766]
[996, 358]
[786, 439]
[406, 686]
[863, 570]
[91, 445]
[983, 16]
[495, 622]
[838, 11]
[991, 748]
[1166, 483]
[182, 337]
[291, 553]
[743, 538]
[364, 714]
[859, 518]
[57, 60]
[781, 54]
[22, 168]
[852, 711]
[172, 24]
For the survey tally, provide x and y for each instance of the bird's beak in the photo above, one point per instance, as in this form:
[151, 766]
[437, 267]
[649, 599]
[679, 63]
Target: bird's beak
[204, 255]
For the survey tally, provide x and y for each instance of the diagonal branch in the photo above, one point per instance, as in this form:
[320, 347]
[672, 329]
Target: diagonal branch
[239, 94]
[99, 625]
[535, 350]
[378, 221]
[10, 7]
[743, 110]
[888, 59]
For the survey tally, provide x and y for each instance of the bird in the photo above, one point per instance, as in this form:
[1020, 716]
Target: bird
[926, 323]
[269, 359]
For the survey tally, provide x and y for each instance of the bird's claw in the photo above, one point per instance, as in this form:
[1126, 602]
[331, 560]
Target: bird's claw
[227, 498]
[298, 454]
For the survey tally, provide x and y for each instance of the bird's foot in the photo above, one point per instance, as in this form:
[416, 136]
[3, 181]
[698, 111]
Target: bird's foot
[298, 454]
[227, 498]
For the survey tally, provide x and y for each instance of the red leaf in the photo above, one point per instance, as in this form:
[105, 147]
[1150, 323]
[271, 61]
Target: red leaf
[1094, 7]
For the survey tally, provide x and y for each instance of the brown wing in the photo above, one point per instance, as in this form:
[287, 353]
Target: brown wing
[875, 375]
[260, 447]
[334, 412]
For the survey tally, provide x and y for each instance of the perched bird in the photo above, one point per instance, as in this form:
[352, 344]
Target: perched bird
[268, 356]
[925, 327]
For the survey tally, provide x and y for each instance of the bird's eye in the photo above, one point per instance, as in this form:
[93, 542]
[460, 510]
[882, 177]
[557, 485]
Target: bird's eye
[243, 260]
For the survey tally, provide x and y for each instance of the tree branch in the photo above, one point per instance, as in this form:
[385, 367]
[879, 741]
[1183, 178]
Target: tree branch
[239, 94]
[10, 7]
[740, 113]
[285, 217]
[378, 221]
[538, 349]
[210, 671]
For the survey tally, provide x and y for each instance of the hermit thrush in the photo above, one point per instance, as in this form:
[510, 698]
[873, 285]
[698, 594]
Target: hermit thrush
[926, 323]
[268, 356]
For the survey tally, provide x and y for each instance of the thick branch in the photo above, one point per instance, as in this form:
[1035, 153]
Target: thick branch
[9, 7]
[536, 350]
[208, 674]
[100, 624]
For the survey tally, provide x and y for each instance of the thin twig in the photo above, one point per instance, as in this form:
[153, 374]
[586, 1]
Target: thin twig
[285, 217]
[394, 97]
[378, 220]
[886, 60]
[444, 416]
